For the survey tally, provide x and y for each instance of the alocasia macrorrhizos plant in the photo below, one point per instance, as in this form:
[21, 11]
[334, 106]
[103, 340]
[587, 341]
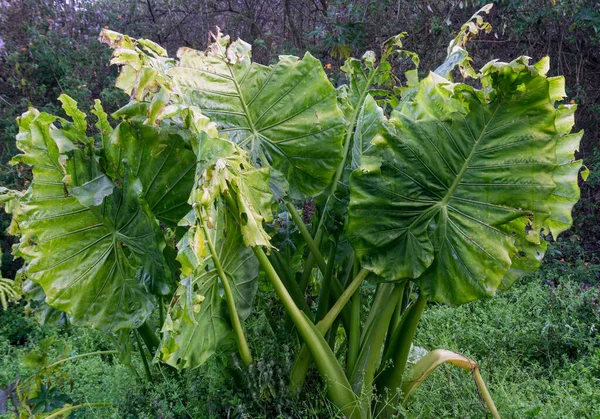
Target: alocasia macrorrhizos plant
[430, 182]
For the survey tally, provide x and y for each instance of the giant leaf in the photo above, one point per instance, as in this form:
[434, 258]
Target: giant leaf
[163, 161]
[94, 247]
[285, 115]
[467, 181]
[225, 169]
[199, 320]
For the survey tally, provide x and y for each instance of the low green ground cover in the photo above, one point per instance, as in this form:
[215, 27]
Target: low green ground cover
[538, 346]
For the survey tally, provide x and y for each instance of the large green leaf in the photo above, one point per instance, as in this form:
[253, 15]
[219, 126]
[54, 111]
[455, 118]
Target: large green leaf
[467, 181]
[198, 322]
[286, 114]
[95, 248]
[162, 159]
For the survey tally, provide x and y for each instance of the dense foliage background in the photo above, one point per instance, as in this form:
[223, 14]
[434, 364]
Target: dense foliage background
[538, 344]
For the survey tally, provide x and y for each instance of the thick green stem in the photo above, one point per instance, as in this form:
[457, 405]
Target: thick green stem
[314, 249]
[337, 291]
[149, 337]
[406, 297]
[289, 282]
[326, 285]
[398, 315]
[381, 298]
[338, 386]
[336, 286]
[143, 355]
[363, 374]
[353, 333]
[238, 331]
[304, 358]
[390, 378]
[341, 302]
[333, 334]
[396, 319]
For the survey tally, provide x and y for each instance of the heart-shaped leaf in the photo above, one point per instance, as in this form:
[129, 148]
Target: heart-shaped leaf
[466, 182]
[286, 115]
[93, 246]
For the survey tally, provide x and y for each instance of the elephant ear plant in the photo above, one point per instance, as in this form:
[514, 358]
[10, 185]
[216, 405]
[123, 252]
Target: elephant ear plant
[423, 189]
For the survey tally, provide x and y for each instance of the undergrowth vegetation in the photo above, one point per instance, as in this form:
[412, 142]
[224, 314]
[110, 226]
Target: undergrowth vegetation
[538, 344]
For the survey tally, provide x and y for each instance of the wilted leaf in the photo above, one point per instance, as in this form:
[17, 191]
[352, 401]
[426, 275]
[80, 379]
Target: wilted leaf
[198, 319]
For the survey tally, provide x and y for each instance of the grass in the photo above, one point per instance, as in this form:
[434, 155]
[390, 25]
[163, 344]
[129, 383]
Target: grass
[538, 347]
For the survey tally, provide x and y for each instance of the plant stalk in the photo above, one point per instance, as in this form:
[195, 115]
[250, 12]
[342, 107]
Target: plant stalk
[143, 355]
[314, 249]
[336, 286]
[326, 286]
[428, 363]
[149, 337]
[354, 329]
[390, 378]
[324, 325]
[290, 283]
[304, 358]
[338, 386]
[485, 394]
[363, 373]
[379, 300]
[333, 334]
[353, 333]
[233, 314]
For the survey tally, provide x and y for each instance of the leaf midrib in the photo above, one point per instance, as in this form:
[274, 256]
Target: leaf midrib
[468, 160]
[242, 100]
[442, 205]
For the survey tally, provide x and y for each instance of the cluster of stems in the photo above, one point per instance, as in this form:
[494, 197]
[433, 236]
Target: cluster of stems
[364, 373]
